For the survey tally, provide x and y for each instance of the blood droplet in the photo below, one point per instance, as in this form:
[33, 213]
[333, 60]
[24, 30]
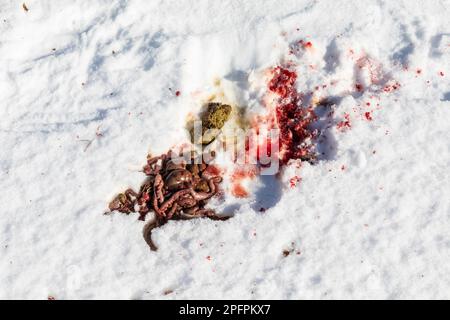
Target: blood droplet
[359, 87]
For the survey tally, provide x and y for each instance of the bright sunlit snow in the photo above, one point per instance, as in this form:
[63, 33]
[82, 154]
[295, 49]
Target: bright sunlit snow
[89, 88]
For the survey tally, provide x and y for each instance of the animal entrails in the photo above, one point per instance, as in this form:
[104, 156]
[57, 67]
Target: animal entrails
[173, 190]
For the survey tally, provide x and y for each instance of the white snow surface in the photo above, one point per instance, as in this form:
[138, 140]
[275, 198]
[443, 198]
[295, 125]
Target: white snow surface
[369, 220]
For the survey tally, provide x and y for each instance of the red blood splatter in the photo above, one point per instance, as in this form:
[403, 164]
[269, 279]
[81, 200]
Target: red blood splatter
[368, 116]
[294, 181]
[441, 73]
[208, 258]
[213, 170]
[263, 146]
[177, 93]
[368, 104]
[391, 87]
[307, 44]
[240, 174]
[292, 119]
[282, 82]
[343, 168]
[51, 298]
[418, 71]
[239, 191]
[344, 124]
[359, 87]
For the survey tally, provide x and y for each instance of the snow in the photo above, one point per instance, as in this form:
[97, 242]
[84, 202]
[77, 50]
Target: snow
[88, 89]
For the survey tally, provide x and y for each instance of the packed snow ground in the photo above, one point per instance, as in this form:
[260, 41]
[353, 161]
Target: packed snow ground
[87, 89]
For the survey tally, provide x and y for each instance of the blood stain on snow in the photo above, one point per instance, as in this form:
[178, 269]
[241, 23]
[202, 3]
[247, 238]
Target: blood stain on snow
[239, 191]
[241, 174]
[359, 87]
[391, 87]
[441, 73]
[294, 181]
[344, 124]
[286, 253]
[177, 93]
[291, 118]
[368, 116]
[213, 170]
[307, 44]
[238, 176]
